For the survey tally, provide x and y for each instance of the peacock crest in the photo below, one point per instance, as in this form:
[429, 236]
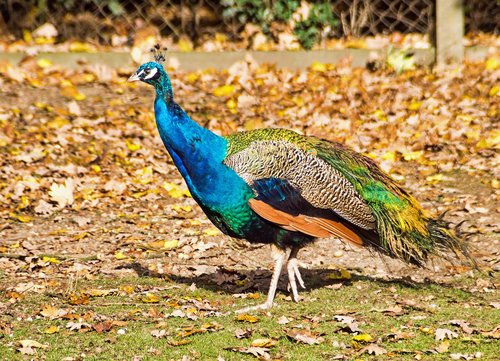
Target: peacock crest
[158, 53]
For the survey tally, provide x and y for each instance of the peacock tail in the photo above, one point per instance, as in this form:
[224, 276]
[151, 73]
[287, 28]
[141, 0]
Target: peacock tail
[331, 176]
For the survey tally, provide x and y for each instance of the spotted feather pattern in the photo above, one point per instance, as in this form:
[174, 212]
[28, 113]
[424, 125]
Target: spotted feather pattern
[318, 183]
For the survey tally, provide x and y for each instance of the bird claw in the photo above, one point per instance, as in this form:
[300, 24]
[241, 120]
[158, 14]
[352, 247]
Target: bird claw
[281, 257]
[294, 276]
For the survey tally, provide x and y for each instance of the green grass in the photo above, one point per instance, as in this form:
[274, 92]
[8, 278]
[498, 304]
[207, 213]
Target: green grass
[426, 307]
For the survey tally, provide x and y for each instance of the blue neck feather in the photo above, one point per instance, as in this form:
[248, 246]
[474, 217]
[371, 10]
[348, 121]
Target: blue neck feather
[197, 152]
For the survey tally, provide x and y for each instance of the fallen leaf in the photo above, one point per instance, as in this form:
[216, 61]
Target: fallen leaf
[363, 337]
[32, 343]
[175, 191]
[305, 336]
[443, 346]
[461, 356]
[128, 289]
[52, 312]
[495, 333]
[264, 342]
[182, 342]
[78, 299]
[224, 90]
[63, 193]
[244, 317]
[159, 333]
[240, 333]
[104, 326]
[28, 346]
[21, 217]
[74, 108]
[340, 274]
[77, 326]
[351, 325]
[373, 349]
[463, 325]
[72, 92]
[150, 298]
[50, 259]
[283, 320]
[212, 231]
[119, 255]
[52, 329]
[259, 352]
[442, 333]
[318, 67]
[394, 311]
[170, 244]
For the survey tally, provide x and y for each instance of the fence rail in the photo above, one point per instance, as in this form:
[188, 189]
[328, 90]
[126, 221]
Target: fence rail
[101, 19]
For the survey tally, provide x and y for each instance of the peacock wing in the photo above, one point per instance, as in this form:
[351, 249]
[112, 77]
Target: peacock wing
[279, 202]
[315, 180]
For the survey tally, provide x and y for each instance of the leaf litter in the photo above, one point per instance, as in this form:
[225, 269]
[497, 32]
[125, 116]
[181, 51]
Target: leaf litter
[88, 191]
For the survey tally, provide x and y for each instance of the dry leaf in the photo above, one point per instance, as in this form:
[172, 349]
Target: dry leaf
[182, 342]
[283, 320]
[224, 90]
[394, 311]
[159, 333]
[305, 336]
[104, 326]
[351, 325]
[373, 349]
[259, 352]
[240, 333]
[52, 312]
[443, 346]
[28, 346]
[495, 333]
[63, 193]
[150, 298]
[77, 326]
[78, 299]
[32, 343]
[363, 337]
[442, 333]
[463, 325]
[244, 317]
[264, 342]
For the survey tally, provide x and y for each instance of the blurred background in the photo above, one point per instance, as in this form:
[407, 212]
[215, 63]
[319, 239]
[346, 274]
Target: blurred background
[211, 25]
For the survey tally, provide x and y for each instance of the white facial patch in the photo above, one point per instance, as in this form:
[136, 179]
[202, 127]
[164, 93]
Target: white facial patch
[151, 74]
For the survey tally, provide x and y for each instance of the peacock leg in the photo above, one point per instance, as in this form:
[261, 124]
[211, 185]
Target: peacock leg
[280, 257]
[294, 274]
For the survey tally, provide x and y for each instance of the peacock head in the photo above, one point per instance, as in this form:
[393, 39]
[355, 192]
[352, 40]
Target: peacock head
[151, 73]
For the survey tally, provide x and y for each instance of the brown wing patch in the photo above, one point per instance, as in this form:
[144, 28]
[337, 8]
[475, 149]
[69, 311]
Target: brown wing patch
[313, 226]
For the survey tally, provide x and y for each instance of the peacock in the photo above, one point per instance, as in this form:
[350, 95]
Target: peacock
[278, 187]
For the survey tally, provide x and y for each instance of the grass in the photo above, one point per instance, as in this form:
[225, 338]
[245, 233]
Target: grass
[425, 308]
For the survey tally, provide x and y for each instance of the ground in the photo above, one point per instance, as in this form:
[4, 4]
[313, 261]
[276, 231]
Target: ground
[102, 244]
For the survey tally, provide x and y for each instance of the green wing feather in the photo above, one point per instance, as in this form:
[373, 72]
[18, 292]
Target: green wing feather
[404, 231]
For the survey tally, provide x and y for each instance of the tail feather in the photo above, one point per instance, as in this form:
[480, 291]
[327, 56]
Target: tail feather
[416, 246]
[445, 240]
[403, 229]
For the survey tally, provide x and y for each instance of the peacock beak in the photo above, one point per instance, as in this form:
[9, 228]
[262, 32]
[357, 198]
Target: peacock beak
[134, 77]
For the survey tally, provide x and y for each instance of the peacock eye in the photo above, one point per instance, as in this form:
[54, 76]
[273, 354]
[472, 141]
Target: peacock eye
[147, 71]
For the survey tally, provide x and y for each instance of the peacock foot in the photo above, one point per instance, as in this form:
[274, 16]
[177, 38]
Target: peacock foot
[294, 276]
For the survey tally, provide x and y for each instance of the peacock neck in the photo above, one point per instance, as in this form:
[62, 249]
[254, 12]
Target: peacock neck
[199, 155]
[164, 90]
[196, 151]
